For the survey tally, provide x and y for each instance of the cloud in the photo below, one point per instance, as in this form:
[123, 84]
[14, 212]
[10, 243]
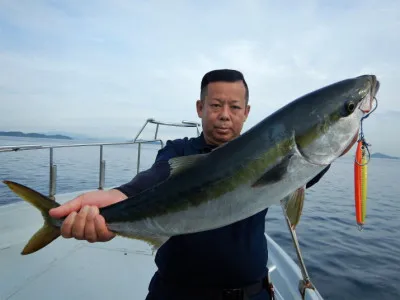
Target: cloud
[101, 67]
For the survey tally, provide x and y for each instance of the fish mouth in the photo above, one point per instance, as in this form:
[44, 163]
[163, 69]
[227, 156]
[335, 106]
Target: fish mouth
[366, 107]
[376, 85]
[366, 104]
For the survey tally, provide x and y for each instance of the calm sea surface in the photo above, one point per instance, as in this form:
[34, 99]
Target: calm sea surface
[343, 262]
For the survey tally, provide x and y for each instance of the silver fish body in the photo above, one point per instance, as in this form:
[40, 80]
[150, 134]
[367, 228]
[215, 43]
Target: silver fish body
[256, 170]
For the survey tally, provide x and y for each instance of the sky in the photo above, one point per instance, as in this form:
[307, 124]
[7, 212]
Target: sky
[101, 68]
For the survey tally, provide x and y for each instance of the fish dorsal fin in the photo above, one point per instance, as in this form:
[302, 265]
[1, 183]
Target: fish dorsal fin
[181, 163]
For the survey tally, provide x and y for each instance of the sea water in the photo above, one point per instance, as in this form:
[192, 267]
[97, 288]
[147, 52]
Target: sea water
[343, 262]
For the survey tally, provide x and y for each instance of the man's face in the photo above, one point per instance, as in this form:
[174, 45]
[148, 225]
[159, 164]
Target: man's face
[223, 111]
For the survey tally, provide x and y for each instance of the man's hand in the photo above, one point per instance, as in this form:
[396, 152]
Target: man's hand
[83, 220]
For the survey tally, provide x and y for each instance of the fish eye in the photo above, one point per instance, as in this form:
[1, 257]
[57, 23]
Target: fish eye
[350, 106]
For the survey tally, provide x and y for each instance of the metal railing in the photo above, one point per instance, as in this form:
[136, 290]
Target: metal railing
[102, 162]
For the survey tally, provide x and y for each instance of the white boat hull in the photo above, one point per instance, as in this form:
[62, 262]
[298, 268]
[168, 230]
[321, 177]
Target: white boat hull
[119, 269]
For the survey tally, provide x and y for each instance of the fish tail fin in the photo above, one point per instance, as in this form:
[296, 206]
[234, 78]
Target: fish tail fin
[44, 236]
[48, 232]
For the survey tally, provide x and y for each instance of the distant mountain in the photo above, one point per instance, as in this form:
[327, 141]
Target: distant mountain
[381, 155]
[86, 137]
[73, 135]
[34, 135]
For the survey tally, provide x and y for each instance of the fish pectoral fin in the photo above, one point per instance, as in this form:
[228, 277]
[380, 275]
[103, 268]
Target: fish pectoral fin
[178, 164]
[293, 206]
[154, 241]
[275, 174]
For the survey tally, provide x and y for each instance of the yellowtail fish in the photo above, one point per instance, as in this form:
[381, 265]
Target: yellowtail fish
[273, 159]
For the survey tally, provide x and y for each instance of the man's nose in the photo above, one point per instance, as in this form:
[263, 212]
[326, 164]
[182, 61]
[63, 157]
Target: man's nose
[225, 112]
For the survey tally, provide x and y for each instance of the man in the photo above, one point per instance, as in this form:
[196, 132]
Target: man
[226, 263]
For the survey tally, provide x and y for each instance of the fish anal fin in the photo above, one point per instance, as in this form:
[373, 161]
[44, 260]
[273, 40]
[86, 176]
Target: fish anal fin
[274, 174]
[154, 241]
[180, 163]
[293, 205]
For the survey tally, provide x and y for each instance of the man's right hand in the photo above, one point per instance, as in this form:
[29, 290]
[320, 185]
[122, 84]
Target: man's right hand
[83, 220]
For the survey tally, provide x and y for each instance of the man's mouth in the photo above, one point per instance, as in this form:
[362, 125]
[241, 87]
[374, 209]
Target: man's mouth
[222, 129]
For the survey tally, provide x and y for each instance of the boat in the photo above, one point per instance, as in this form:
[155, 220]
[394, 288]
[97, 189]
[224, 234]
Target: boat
[119, 269]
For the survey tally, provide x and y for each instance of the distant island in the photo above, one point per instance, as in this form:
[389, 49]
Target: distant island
[34, 135]
[381, 155]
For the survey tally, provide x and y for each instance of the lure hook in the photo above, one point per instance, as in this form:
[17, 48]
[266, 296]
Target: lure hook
[361, 139]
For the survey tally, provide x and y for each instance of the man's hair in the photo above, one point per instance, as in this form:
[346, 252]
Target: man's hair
[227, 75]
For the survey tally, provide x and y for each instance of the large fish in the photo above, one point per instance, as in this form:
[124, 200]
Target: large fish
[269, 162]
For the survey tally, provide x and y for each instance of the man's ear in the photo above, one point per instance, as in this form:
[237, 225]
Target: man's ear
[246, 112]
[199, 108]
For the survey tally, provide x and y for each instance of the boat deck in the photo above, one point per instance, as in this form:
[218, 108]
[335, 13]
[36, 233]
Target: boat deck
[119, 269]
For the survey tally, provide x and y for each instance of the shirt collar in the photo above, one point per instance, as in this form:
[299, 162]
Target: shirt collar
[200, 144]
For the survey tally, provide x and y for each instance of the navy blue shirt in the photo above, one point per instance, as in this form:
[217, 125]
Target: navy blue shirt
[231, 256]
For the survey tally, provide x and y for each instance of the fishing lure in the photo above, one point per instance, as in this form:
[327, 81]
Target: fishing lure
[361, 161]
[360, 181]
